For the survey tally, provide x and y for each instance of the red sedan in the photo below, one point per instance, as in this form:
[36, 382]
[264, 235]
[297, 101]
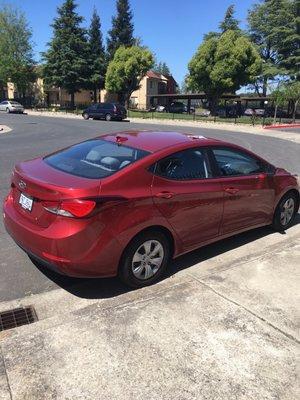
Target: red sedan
[125, 204]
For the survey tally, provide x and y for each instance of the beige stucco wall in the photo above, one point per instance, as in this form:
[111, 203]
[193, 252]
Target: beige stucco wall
[148, 87]
[10, 90]
[106, 96]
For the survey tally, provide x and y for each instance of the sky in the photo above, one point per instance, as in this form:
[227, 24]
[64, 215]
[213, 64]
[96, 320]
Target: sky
[172, 29]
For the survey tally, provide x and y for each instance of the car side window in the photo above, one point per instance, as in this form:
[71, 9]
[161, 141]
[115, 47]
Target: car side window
[4, 103]
[105, 106]
[93, 107]
[233, 162]
[185, 165]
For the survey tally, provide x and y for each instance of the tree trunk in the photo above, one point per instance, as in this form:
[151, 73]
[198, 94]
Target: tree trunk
[72, 104]
[212, 104]
[265, 87]
[95, 95]
[275, 114]
[122, 98]
[294, 111]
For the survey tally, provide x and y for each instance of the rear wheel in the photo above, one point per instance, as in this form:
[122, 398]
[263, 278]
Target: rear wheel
[108, 117]
[145, 259]
[86, 116]
[285, 212]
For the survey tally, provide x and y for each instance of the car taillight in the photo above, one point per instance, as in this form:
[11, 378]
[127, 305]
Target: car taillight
[71, 208]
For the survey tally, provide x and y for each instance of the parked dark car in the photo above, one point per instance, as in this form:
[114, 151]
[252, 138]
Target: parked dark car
[177, 107]
[107, 111]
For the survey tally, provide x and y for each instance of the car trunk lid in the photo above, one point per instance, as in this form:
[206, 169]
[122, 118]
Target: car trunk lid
[40, 183]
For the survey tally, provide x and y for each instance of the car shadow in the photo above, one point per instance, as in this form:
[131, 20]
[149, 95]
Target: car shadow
[100, 288]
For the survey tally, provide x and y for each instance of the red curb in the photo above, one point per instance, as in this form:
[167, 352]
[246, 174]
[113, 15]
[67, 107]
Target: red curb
[282, 126]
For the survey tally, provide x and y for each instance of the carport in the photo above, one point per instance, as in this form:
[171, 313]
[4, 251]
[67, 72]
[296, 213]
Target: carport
[167, 98]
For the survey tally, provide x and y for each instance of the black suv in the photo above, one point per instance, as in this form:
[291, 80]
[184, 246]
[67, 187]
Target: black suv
[177, 107]
[107, 111]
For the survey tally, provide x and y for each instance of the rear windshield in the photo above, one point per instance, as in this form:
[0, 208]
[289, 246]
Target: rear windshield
[94, 159]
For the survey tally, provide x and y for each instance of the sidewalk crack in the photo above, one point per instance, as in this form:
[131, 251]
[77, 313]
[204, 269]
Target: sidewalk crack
[5, 372]
[264, 320]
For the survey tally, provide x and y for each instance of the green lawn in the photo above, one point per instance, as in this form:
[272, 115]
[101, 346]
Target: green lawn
[192, 117]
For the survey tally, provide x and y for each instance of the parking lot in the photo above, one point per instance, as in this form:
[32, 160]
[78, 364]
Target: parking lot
[224, 324]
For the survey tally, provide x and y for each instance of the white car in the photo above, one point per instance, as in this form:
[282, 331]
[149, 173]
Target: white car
[10, 106]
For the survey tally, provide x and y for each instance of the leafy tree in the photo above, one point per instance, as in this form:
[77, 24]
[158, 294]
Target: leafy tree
[66, 61]
[97, 59]
[272, 27]
[293, 94]
[121, 33]
[16, 60]
[223, 64]
[279, 96]
[284, 93]
[162, 68]
[229, 22]
[126, 70]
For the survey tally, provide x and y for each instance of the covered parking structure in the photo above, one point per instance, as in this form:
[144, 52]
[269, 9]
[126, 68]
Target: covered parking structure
[168, 99]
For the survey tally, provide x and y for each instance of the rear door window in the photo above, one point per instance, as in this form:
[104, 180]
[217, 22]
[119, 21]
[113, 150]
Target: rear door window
[232, 162]
[94, 159]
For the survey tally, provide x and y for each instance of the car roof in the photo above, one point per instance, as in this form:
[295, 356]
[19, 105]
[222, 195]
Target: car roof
[154, 141]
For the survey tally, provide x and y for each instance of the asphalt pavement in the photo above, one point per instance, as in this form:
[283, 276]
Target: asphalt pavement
[32, 136]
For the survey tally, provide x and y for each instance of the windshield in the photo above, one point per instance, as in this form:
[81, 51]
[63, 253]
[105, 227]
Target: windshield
[94, 159]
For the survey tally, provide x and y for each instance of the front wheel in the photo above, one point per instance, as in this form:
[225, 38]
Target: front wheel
[7, 111]
[86, 116]
[108, 117]
[145, 259]
[285, 212]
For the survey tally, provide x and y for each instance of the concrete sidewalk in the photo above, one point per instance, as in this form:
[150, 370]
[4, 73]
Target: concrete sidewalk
[224, 326]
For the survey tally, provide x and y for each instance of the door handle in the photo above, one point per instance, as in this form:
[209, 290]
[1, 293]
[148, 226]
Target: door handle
[164, 195]
[231, 190]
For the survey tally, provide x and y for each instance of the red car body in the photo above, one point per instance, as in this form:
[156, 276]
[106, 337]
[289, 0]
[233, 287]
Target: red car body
[192, 212]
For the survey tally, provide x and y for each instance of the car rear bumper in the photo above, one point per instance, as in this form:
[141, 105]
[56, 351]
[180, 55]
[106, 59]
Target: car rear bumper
[70, 247]
[17, 111]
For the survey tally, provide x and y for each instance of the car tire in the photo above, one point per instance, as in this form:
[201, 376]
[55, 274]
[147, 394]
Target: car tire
[285, 212]
[7, 111]
[134, 273]
[108, 117]
[86, 116]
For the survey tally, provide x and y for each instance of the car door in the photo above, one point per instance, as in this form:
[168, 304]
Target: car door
[92, 110]
[3, 105]
[248, 189]
[188, 196]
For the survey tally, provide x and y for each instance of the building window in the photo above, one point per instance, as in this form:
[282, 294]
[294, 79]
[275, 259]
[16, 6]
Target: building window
[151, 84]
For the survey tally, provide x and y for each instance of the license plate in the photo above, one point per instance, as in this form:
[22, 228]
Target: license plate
[25, 202]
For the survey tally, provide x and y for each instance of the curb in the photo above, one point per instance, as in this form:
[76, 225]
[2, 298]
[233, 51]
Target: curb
[282, 126]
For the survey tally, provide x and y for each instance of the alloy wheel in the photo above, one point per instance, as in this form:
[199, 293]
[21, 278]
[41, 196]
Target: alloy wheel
[147, 259]
[287, 211]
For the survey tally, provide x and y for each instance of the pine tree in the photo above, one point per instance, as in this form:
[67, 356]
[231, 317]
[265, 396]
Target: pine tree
[97, 59]
[229, 22]
[289, 46]
[273, 28]
[162, 68]
[66, 61]
[121, 33]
